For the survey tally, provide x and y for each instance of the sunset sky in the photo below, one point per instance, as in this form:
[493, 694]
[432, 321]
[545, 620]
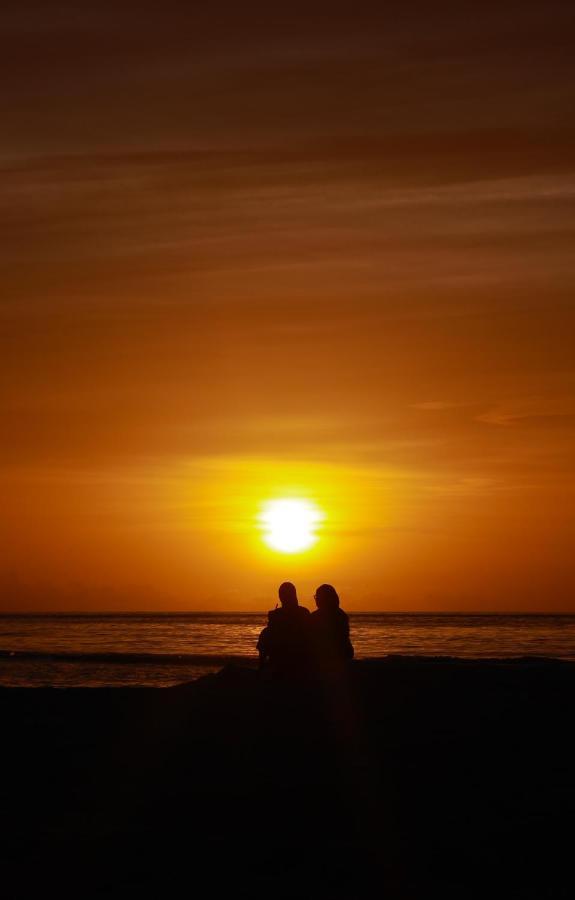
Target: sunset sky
[257, 251]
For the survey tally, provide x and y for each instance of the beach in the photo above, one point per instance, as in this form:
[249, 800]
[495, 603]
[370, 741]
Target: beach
[409, 776]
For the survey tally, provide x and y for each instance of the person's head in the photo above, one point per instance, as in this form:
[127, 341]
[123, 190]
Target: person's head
[287, 594]
[326, 598]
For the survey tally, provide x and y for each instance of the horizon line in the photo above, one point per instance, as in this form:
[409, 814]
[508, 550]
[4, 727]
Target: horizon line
[215, 612]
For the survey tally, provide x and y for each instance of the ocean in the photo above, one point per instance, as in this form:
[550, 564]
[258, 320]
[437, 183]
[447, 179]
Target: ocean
[160, 650]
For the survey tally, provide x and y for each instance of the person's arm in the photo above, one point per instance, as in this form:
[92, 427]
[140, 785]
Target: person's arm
[349, 651]
[345, 623]
[262, 647]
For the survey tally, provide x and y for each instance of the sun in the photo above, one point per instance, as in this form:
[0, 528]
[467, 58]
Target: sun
[290, 525]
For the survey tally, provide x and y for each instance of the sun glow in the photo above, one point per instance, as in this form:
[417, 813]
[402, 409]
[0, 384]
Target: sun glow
[290, 525]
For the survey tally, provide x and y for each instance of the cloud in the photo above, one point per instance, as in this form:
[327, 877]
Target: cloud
[507, 418]
[435, 405]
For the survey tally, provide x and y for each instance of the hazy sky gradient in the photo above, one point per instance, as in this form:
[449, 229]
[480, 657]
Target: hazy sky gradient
[248, 248]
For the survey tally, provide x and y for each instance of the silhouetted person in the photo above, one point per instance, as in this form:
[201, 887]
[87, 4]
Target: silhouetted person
[329, 627]
[284, 644]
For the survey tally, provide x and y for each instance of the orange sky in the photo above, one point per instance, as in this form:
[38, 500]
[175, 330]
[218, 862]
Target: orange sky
[250, 253]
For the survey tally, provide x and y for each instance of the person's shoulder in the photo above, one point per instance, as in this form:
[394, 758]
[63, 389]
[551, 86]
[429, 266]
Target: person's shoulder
[304, 611]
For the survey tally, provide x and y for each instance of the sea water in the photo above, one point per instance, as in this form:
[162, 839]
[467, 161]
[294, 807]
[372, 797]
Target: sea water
[160, 650]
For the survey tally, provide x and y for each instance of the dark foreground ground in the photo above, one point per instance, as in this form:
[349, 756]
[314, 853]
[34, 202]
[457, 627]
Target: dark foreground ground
[413, 778]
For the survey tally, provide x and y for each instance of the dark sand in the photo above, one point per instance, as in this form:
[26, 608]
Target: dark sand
[414, 778]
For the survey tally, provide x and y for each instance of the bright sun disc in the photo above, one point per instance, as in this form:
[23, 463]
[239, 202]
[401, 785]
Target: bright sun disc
[290, 525]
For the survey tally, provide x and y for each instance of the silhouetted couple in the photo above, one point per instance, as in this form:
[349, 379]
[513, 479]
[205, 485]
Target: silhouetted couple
[296, 641]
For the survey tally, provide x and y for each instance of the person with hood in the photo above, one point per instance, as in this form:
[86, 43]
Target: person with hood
[284, 644]
[329, 627]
